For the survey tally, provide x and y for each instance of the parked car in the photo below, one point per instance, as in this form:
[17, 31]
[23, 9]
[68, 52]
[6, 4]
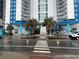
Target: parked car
[74, 36]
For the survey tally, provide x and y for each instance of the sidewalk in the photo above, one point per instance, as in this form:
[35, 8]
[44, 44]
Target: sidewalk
[66, 57]
[12, 55]
[20, 55]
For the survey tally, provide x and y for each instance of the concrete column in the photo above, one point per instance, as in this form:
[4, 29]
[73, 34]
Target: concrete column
[68, 31]
[68, 28]
[20, 28]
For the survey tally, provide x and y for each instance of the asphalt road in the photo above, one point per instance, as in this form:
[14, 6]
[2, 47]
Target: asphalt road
[58, 46]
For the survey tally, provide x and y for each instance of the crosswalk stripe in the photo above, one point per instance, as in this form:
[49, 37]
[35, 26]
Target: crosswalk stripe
[42, 43]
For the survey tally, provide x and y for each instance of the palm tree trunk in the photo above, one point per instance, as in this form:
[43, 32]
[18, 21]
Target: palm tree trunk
[50, 30]
[33, 32]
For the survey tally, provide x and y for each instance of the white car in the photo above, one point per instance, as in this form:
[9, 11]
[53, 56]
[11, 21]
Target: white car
[74, 36]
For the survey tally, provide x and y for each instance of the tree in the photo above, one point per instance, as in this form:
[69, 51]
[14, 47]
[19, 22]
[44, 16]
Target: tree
[49, 23]
[10, 29]
[32, 24]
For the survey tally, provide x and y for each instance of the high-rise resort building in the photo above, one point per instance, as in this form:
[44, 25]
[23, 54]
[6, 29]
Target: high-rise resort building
[40, 9]
[65, 12]
[1, 12]
[68, 14]
[16, 13]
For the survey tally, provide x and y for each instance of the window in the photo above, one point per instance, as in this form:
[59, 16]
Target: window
[14, 13]
[14, 9]
[42, 8]
[13, 21]
[14, 1]
[11, 17]
[76, 14]
[76, 19]
[14, 5]
[11, 5]
[75, 1]
[75, 10]
[75, 5]
[11, 1]
[10, 21]
[42, 1]
[11, 9]
[14, 17]
[11, 13]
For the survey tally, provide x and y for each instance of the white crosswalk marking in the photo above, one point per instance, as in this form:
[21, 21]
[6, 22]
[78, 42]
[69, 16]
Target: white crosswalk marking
[39, 47]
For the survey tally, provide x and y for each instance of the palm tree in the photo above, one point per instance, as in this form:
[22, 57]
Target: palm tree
[32, 23]
[10, 29]
[49, 23]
